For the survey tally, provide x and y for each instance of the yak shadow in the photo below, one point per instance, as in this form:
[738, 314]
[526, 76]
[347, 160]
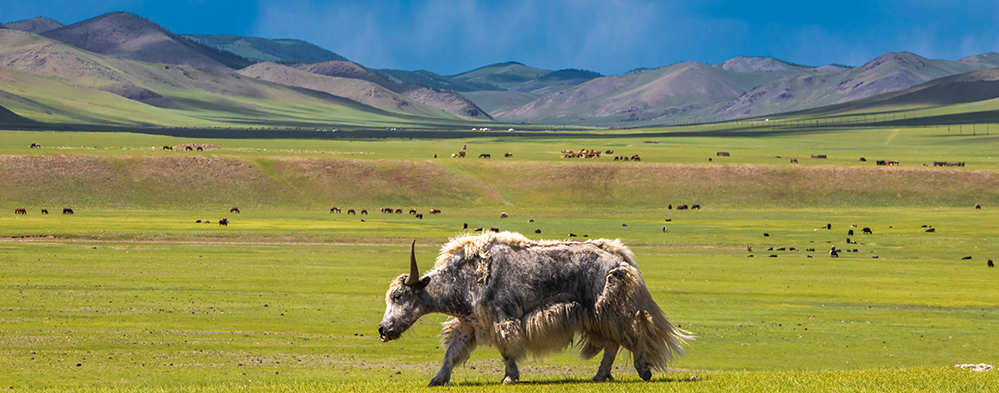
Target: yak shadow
[581, 380]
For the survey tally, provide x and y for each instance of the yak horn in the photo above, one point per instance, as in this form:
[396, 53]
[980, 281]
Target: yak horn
[414, 272]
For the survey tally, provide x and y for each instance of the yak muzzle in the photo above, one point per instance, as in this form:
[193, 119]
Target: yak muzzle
[386, 335]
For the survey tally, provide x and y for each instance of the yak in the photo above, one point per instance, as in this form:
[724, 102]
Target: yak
[224, 222]
[45, 211]
[534, 297]
[67, 211]
[20, 210]
[234, 210]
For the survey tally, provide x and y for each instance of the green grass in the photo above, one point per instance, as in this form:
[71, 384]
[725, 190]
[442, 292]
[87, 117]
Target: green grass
[149, 300]
[145, 299]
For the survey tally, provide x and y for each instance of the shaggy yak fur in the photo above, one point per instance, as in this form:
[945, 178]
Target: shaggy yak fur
[534, 297]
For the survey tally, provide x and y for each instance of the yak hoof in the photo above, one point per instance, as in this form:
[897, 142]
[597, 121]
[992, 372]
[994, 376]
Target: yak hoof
[437, 382]
[646, 374]
[508, 380]
[603, 378]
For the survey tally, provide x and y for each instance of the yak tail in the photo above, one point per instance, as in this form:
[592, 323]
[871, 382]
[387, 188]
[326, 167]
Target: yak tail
[626, 313]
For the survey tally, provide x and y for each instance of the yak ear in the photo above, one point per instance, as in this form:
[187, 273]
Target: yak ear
[422, 283]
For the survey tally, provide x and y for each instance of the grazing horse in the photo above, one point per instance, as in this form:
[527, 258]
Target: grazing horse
[335, 210]
[167, 147]
[67, 211]
[364, 212]
[20, 210]
[698, 207]
[234, 210]
[45, 211]
[794, 160]
[188, 148]
[351, 211]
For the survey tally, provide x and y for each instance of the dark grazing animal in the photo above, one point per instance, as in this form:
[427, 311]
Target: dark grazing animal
[167, 148]
[504, 215]
[990, 264]
[224, 222]
[188, 148]
[534, 297]
[507, 154]
[20, 210]
[398, 211]
[364, 212]
[435, 211]
[978, 206]
[335, 209]
[479, 229]
[850, 232]
[484, 155]
[45, 211]
[67, 211]
[692, 207]
[464, 226]
[494, 229]
[681, 207]
[412, 211]
[794, 160]
[351, 211]
[931, 230]
[420, 216]
[537, 231]
[867, 231]
[234, 210]
[965, 258]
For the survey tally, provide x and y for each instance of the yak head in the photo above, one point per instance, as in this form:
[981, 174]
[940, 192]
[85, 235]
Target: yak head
[405, 301]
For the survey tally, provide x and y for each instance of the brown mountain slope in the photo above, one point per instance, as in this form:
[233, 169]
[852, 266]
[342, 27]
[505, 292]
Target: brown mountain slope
[35, 25]
[49, 81]
[447, 101]
[355, 89]
[132, 37]
[887, 73]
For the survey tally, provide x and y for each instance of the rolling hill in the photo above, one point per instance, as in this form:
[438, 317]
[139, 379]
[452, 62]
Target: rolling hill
[444, 100]
[739, 87]
[503, 75]
[48, 81]
[132, 37]
[35, 25]
[261, 49]
[886, 73]
[360, 90]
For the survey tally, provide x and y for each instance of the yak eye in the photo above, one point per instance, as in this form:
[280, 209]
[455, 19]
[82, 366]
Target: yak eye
[396, 297]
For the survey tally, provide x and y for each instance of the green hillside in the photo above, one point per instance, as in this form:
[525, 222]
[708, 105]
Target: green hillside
[502, 75]
[262, 49]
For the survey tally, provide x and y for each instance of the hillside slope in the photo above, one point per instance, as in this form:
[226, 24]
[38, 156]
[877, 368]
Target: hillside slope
[35, 25]
[444, 100]
[132, 37]
[886, 73]
[359, 90]
[48, 81]
[261, 49]
[641, 95]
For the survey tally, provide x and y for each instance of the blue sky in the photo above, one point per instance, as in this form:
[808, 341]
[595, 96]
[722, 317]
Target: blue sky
[608, 36]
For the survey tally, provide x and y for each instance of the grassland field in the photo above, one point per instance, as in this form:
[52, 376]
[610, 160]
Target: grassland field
[130, 294]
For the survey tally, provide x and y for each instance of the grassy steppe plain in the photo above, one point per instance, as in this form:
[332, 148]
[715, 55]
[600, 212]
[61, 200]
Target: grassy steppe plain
[129, 294]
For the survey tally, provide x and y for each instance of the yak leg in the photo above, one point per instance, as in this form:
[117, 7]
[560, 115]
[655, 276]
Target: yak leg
[512, 373]
[642, 366]
[462, 344]
[604, 372]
